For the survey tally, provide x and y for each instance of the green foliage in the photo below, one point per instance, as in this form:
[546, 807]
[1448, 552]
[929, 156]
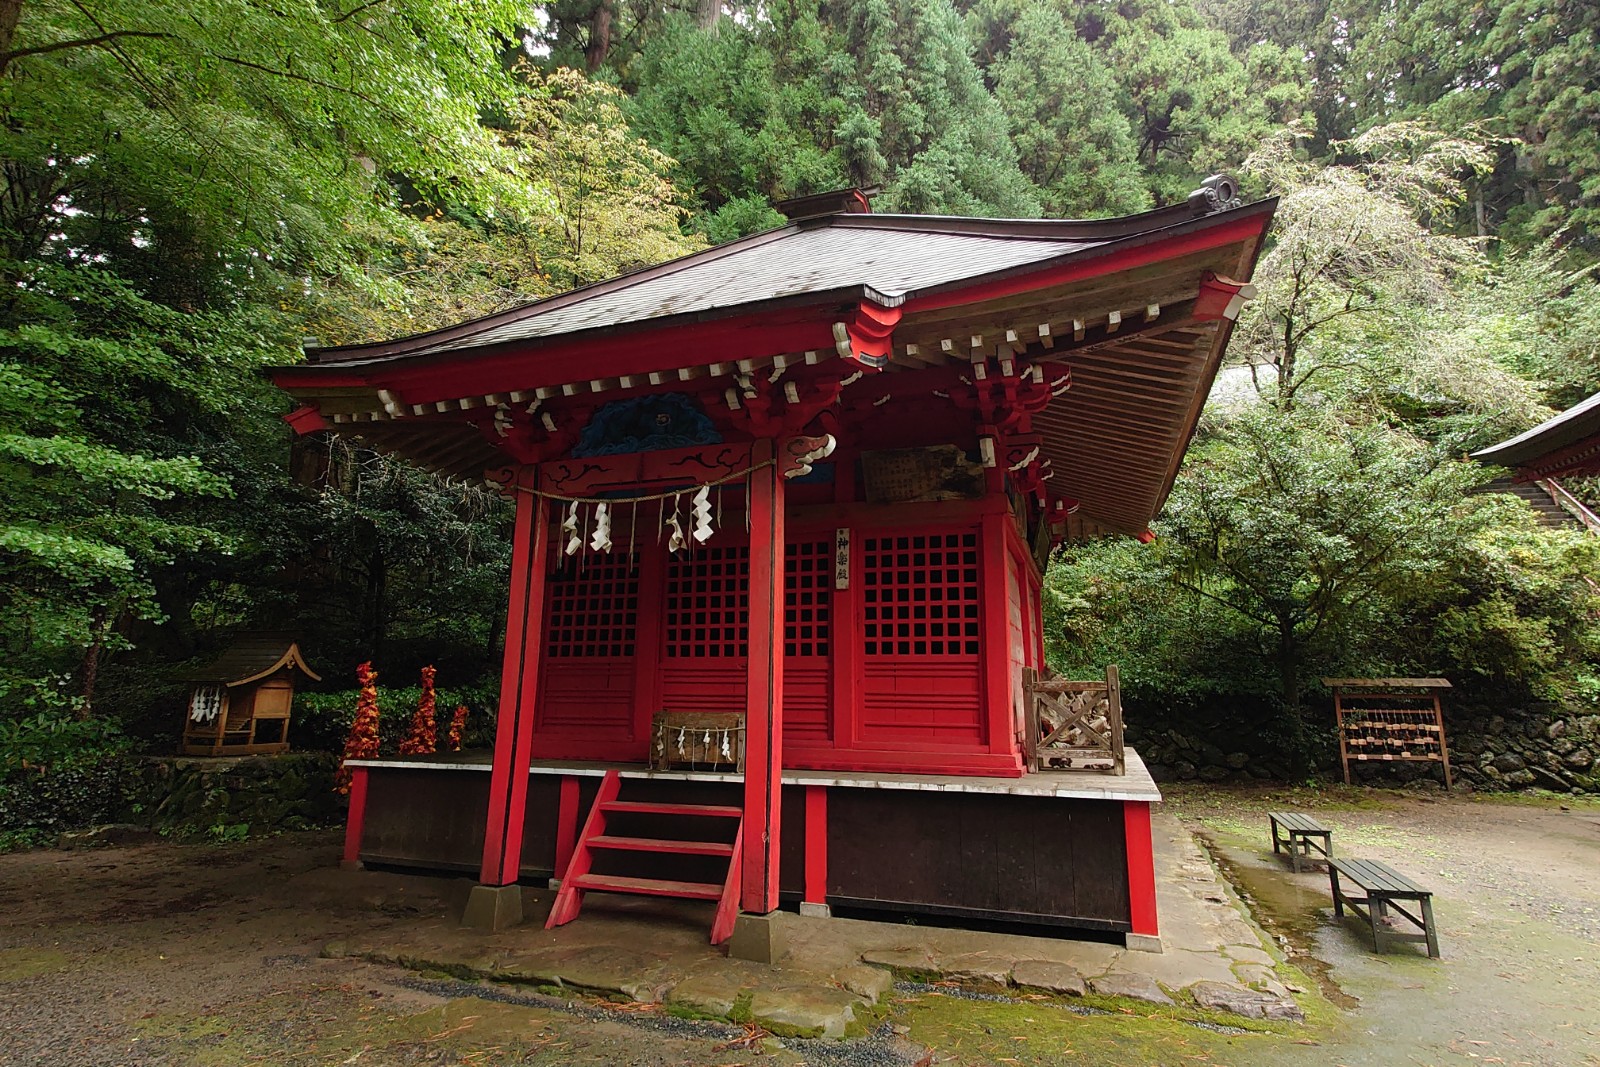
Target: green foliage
[322, 720]
[36, 805]
[861, 93]
[1299, 545]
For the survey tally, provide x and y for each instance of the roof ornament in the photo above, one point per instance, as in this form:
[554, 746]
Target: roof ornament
[1220, 192]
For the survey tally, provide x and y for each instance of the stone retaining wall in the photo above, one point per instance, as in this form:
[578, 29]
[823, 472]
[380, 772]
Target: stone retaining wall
[1539, 746]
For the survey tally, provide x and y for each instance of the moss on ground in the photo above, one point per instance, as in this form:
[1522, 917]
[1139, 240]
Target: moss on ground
[17, 964]
[1043, 1032]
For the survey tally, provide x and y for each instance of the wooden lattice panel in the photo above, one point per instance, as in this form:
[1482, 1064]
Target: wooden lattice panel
[708, 604]
[593, 608]
[807, 598]
[1074, 725]
[920, 595]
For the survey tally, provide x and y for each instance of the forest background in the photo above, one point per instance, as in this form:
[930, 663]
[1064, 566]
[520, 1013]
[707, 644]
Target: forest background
[190, 189]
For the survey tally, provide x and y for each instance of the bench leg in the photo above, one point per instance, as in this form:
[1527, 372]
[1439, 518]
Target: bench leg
[1333, 881]
[1274, 837]
[1296, 847]
[1428, 929]
[1375, 915]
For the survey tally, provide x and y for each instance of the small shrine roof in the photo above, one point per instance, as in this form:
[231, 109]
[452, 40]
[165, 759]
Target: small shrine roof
[1536, 451]
[252, 656]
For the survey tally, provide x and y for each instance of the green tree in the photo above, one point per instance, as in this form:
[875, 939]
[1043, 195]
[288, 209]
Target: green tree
[171, 176]
[1065, 110]
[1298, 544]
[1353, 256]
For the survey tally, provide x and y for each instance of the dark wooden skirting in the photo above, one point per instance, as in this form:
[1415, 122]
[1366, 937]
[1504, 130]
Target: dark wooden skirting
[979, 914]
[994, 854]
[986, 857]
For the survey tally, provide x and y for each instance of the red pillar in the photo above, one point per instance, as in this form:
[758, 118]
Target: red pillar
[995, 562]
[1141, 867]
[355, 819]
[763, 754]
[816, 891]
[519, 682]
[566, 823]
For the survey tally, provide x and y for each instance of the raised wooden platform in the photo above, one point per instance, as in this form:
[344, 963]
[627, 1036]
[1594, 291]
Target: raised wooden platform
[1061, 849]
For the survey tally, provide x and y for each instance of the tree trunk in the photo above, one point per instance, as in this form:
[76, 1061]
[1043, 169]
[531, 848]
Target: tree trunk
[707, 13]
[599, 36]
[10, 15]
[1289, 682]
[99, 623]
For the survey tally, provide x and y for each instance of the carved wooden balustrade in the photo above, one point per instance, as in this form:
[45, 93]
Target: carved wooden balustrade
[1074, 725]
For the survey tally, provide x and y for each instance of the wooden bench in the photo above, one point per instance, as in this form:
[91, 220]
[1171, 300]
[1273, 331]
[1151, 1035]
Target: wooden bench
[1384, 887]
[1299, 834]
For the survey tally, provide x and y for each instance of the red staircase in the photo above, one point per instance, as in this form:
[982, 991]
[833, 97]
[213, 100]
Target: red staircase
[580, 877]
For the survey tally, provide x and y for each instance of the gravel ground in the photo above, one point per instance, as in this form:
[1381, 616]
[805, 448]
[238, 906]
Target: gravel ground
[166, 954]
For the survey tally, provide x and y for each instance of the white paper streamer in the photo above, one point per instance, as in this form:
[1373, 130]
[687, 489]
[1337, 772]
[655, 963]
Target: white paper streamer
[702, 514]
[569, 525]
[601, 541]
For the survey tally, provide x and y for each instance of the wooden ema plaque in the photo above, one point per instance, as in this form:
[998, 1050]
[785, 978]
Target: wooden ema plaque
[1390, 720]
[697, 741]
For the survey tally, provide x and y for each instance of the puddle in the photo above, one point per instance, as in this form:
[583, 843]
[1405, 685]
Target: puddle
[1285, 910]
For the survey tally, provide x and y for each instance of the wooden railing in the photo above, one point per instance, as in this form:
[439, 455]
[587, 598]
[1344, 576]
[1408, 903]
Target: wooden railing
[1571, 505]
[1074, 725]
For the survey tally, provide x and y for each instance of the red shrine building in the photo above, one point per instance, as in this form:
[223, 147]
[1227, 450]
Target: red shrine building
[782, 512]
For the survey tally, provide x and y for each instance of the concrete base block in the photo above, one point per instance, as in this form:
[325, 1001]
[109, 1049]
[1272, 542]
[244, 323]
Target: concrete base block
[816, 911]
[493, 907]
[1143, 943]
[757, 938]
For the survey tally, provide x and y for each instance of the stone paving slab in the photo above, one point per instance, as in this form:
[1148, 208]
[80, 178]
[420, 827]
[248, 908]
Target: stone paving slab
[657, 951]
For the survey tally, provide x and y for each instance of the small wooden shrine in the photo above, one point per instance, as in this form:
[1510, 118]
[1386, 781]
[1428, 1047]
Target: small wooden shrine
[239, 703]
[782, 512]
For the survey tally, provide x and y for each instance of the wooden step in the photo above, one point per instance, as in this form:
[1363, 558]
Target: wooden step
[656, 844]
[650, 887]
[647, 807]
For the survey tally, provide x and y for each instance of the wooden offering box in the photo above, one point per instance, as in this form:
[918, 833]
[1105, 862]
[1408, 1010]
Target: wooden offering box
[697, 741]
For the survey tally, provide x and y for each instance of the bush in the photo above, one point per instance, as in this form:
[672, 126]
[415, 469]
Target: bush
[38, 803]
[321, 721]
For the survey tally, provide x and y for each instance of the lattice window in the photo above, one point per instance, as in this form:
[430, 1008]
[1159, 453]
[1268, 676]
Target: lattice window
[807, 587]
[920, 595]
[593, 607]
[708, 604]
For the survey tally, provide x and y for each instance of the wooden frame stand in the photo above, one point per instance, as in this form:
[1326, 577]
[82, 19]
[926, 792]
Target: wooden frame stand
[1390, 719]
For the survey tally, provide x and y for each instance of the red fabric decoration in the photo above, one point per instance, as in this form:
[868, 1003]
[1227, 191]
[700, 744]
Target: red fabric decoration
[363, 740]
[458, 726]
[423, 737]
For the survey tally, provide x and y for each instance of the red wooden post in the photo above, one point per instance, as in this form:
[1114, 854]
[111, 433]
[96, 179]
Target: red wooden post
[566, 824]
[763, 761]
[999, 716]
[519, 683]
[816, 889]
[355, 819]
[1141, 867]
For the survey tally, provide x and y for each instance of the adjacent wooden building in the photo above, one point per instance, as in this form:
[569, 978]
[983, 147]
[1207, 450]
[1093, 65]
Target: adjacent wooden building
[807, 480]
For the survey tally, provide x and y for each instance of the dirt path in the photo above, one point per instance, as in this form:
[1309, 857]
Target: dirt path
[209, 955]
